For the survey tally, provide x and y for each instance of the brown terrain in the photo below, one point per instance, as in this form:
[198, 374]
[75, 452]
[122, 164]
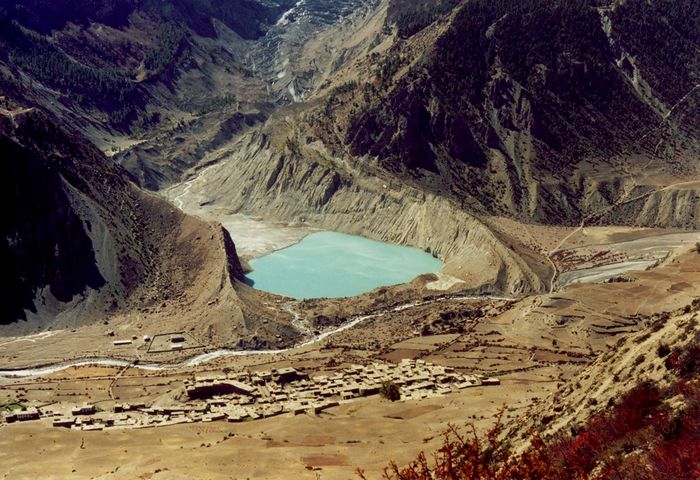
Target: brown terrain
[556, 178]
[534, 346]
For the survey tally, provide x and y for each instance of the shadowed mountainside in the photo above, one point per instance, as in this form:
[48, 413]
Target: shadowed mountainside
[80, 233]
[166, 82]
[115, 58]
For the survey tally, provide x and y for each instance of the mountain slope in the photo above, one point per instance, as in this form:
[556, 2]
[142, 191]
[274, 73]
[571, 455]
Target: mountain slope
[532, 110]
[170, 81]
[116, 57]
[82, 238]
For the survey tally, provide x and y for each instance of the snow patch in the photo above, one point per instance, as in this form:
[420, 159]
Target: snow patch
[284, 19]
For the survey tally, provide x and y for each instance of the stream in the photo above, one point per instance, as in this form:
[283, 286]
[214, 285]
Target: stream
[224, 352]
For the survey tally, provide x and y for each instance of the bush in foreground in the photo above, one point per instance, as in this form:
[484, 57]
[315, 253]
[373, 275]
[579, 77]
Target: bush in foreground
[650, 433]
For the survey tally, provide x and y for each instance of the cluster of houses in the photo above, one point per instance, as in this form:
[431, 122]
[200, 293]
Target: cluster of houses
[248, 396]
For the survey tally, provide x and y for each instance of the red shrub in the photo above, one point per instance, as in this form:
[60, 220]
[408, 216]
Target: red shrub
[677, 454]
[639, 438]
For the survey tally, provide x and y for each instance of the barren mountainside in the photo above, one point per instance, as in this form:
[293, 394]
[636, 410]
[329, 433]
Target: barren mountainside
[546, 153]
[80, 237]
[536, 110]
[543, 112]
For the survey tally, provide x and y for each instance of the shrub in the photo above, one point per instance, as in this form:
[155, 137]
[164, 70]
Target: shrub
[390, 391]
[293, 146]
[638, 437]
[685, 361]
[462, 456]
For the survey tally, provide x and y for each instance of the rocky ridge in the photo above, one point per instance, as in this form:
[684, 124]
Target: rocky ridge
[105, 248]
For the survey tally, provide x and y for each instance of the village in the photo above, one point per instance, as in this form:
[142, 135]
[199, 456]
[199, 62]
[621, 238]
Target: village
[247, 396]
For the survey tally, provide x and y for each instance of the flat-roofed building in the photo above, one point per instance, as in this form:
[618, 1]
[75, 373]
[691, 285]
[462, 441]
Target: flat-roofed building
[288, 375]
[219, 386]
[66, 422]
[22, 415]
[84, 409]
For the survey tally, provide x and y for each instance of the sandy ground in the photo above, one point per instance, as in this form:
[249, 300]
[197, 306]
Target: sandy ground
[367, 432]
[634, 240]
[540, 238]
[597, 254]
[364, 434]
[444, 282]
[602, 272]
[256, 238]
[253, 237]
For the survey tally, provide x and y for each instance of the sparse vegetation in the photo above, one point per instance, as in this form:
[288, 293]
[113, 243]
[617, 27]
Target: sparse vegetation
[10, 405]
[171, 39]
[663, 350]
[685, 361]
[410, 16]
[638, 438]
[108, 88]
[666, 50]
[422, 122]
[292, 145]
[216, 103]
[337, 95]
[146, 121]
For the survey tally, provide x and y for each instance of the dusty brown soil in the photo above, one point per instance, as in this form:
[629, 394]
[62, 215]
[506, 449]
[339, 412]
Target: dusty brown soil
[533, 345]
[365, 433]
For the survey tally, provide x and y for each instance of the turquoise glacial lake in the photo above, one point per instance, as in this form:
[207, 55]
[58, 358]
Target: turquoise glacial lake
[333, 265]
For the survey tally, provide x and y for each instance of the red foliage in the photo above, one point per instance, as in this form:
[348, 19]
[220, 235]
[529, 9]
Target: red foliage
[641, 437]
[677, 456]
[462, 456]
[686, 361]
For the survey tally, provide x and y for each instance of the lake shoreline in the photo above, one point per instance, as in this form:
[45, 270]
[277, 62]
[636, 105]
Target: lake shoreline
[327, 264]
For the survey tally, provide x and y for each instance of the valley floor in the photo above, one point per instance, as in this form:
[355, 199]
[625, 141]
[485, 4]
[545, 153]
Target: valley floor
[533, 345]
[329, 446]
